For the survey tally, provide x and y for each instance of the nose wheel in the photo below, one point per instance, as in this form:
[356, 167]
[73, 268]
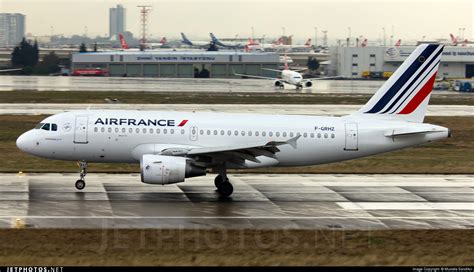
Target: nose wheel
[81, 183]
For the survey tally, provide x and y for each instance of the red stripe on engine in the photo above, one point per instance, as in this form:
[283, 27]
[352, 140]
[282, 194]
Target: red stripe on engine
[419, 97]
[182, 123]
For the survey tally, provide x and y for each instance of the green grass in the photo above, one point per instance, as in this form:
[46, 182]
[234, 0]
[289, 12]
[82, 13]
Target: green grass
[94, 97]
[450, 156]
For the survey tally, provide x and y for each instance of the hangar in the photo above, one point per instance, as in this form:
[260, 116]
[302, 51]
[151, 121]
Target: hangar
[379, 61]
[171, 64]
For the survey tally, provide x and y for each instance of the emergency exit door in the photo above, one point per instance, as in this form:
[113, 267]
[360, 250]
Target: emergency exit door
[80, 130]
[351, 137]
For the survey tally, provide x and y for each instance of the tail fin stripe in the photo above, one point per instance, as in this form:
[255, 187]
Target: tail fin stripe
[419, 97]
[410, 94]
[414, 66]
[415, 78]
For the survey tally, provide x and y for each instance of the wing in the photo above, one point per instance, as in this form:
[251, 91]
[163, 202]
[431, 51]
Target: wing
[323, 78]
[260, 77]
[236, 154]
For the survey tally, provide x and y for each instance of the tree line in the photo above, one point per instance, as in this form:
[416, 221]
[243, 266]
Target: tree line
[26, 56]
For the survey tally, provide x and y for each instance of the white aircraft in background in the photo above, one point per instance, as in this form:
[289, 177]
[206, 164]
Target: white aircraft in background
[199, 44]
[171, 146]
[124, 44]
[226, 44]
[287, 76]
[280, 45]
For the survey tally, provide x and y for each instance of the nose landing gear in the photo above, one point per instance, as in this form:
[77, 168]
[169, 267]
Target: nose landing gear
[81, 183]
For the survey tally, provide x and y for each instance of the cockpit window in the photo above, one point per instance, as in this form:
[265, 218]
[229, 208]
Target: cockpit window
[46, 126]
[54, 127]
[38, 126]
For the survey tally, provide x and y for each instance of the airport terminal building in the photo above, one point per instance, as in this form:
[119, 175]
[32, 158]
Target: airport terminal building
[172, 64]
[380, 62]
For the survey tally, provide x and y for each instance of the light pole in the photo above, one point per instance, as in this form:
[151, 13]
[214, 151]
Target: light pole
[349, 30]
[315, 36]
[384, 37]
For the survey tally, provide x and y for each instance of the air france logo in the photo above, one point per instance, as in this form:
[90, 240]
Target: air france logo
[392, 53]
[139, 122]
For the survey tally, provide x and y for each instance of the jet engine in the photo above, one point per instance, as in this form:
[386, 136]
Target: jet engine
[277, 83]
[156, 169]
[308, 84]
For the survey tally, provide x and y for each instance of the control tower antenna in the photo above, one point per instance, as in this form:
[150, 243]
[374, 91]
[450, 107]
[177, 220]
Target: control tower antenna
[143, 24]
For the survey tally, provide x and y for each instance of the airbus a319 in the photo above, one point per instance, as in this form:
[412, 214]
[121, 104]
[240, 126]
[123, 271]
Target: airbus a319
[172, 146]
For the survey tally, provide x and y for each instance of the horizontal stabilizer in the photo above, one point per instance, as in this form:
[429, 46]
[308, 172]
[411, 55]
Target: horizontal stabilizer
[411, 131]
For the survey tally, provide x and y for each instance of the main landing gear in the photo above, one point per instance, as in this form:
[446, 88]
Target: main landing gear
[81, 183]
[224, 187]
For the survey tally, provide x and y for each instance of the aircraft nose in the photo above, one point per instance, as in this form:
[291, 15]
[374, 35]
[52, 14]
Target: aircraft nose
[24, 142]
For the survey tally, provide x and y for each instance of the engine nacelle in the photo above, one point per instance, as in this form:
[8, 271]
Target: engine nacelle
[156, 169]
[277, 83]
[308, 84]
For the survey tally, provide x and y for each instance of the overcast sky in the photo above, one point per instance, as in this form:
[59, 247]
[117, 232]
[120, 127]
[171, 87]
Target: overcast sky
[410, 19]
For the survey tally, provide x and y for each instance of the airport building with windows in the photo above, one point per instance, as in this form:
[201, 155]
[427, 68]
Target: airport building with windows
[172, 64]
[381, 62]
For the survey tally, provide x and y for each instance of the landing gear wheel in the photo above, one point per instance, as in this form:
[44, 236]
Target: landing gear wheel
[225, 189]
[218, 180]
[80, 184]
[282, 86]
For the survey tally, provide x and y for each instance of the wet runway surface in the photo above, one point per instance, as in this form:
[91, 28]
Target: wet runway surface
[362, 202]
[60, 83]
[338, 110]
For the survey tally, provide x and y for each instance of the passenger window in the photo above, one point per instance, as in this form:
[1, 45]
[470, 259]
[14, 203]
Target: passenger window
[264, 133]
[116, 130]
[270, 134]
[312, 135]
[151, 131]
[137, 130]
[110, 129]
[215, 132]
[208, 132]
[172, 131]
[256, 133]
[102, 129]
[130, 130]
[54, 127]
[319, 135]
[165, 131]
[284, 134]
[242, 133]
[291, 134]
[250, 133]
[305, 134]
[201, 132]
[144, 131]
[96, 129]
[236, 133]
[277, 134]
[46, 126]
[325, 135]
[182, 131]
[222, 132]
[332, 135]
[158, 130]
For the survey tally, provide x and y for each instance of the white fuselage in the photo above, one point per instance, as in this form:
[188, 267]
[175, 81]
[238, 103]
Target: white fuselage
[291, 77]
[125, 136]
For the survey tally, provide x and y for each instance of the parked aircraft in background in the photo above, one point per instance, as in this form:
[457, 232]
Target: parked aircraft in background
[398, 43]
[200, 44]
[171, 146]
[226, 44]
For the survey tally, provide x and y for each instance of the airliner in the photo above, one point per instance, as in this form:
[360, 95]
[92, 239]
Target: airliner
[200, 44]
[227, 44]
[172, 146]
[288, 76]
